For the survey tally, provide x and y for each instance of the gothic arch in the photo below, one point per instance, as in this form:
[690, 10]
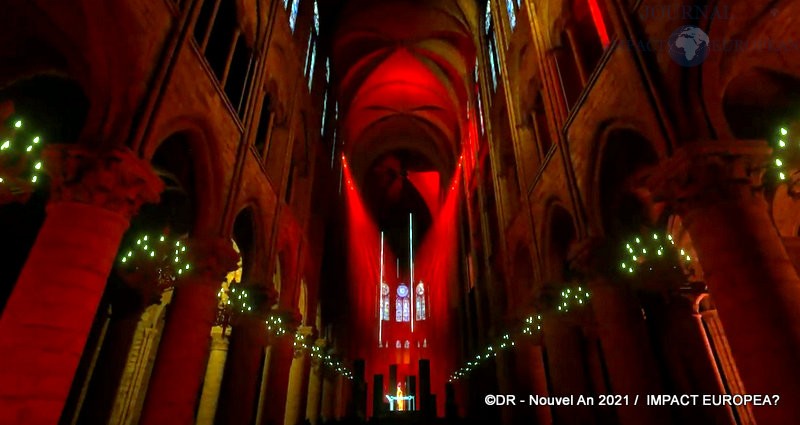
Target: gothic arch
[559, 234]
[622, 158]
[204, 162]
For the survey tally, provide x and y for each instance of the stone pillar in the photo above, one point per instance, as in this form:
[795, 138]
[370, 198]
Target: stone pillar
[377, 395]
[424, 392]
[141, 358]
[213, 380]
[716, 188]
[280, 364]
[359, 394]
[182, 356]
[314, 403]
[328, 396]
[46, 322]
[246, 361]
[719, 342]
[529, 369]
[626, 348]
[691, 365]
[567, 366]
[295, 402]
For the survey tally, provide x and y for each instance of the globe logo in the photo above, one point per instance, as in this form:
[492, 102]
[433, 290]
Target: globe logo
[688, 46]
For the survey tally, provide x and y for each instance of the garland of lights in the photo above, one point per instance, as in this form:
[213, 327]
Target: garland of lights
[572, 296]
[239, 300]
[780, 166]
[646, 251]
[276, 325]
[20, 163]
[327, 360]
[157, 257]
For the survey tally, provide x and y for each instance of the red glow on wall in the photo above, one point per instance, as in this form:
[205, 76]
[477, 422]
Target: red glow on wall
[385, 343]
[437, 265]
[427, 184]
[597, 17]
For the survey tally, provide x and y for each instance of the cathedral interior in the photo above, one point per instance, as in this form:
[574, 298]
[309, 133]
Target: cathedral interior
[284, 212]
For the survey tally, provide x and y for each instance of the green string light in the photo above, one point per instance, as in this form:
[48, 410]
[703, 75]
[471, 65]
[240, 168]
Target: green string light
[158, 254]
[276, 326]
[239, 300]
[644, 252]
[20, 162]
[783, 147]
[573, 297]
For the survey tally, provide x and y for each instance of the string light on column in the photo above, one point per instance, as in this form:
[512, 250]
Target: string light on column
[157, 255]
[239, 300]
[532, 324]
[781, 150]
[786, 160]
[335, 365]
[20, 163]
[573, 297]
[276, 325]
[657, 249]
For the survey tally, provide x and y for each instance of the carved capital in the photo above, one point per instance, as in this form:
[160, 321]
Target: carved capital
[592, 257]
[708, 172]
[212, 258]
[116, 180]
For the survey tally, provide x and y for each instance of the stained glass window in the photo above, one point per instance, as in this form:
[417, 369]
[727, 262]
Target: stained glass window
[488, 21]
[328, 70]
[316, 17]
[308, 52]
[324, 114]
[402, 304]
[384, 302]
[313, 61]
[293, 14]
[512, 14]
[420, 302]
[492, 44]
[492, 63]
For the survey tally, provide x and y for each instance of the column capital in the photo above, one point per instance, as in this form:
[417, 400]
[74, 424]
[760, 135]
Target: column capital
[592, 257]
[212, 258]
[116, 180]
[707, 172]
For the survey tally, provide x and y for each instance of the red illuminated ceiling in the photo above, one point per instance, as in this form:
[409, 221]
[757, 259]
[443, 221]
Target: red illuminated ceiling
[403, 70]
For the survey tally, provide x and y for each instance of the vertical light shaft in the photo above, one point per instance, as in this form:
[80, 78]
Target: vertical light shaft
[380, 299]
[411, 262]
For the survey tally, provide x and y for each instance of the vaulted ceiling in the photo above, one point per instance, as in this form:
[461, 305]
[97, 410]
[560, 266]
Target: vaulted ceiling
[404, 68]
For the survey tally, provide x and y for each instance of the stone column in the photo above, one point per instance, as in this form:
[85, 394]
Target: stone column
[531, 378]
[47, 319]
[329, 389]
[691, 364]
[214, 373]
[295, 403]
[717, 190]
[567, 366]
[182, 357]
[717, 339]
[314, 403]
[632, 367]
[280, 363]
[247, 358]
